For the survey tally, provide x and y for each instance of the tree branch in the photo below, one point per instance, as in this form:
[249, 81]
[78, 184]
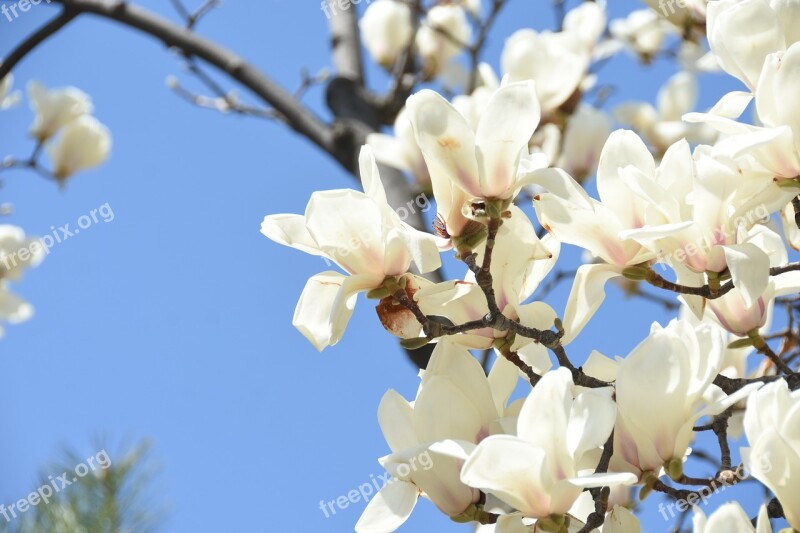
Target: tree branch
[345, 44]
[298, 117]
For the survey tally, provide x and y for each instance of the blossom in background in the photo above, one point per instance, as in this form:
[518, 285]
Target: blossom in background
[584, 137]
[770, 423]
[643, 32]
[401, 150]
[386, 29]
[442, 35]
[360, 233]
[662, 125]
[457, 406]
[82, 144]
[55, 108]
[17, 254]
[556, 62]
[681, 13]
[539, 471]
[8, 99]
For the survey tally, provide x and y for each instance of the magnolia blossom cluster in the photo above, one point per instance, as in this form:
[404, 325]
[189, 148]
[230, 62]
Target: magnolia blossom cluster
[17, 254]
[687, 194]
[63, 123]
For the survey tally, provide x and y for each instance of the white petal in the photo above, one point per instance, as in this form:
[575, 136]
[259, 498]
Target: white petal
[504, 129]
[446, 140]
[586, 296]
[389, 509]
[749, 267]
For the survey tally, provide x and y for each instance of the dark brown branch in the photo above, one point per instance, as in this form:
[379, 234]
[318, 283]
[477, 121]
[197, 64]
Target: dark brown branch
[35, 39]
[600, 495]
[298, 117]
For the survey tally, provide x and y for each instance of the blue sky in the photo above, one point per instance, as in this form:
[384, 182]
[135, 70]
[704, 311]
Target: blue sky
[173, 321]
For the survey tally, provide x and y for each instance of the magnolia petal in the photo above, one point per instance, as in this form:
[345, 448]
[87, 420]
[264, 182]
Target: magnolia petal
[604, 480]
[326, 305]
[370, 176]
[424, 248]
[749, 267]
[14, 309]
[496, 466]
[290, 230]
[586, 296]
[623, 148]
[732, 105]
[446, 140]
[504, 129]
[388, 150]
[395, 416]
[389, 509]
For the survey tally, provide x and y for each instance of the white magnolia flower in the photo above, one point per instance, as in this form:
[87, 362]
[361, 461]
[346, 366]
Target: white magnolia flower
[556, 62]
[643, 31]
[681, 13]
[7, 98]
[584, 137]
[457, 406]
[442, 35]
[663, 125]
[698, 221]
[656, 415]
[483, 163]
[774, 148]
[360, 233]
[730, 518]
[386, 30]
[770, 423]
[17, 253]
[82, 144]
[541, 470]
[568, 212]
[401, 150]
[587, 21]
[55, 108]
[742, 33]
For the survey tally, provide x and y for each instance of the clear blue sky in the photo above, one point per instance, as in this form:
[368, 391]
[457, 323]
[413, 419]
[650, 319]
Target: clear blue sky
[173, 321]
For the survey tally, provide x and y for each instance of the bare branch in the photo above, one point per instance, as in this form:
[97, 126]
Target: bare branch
[35, 39]
[298, 117]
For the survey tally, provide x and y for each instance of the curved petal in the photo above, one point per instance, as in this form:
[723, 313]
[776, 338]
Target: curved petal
[290, 230]
[396, 418]
[504, 129]
[389, 509]
[586, 296]
[326, 305]
[749, 267]
[446, 140]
